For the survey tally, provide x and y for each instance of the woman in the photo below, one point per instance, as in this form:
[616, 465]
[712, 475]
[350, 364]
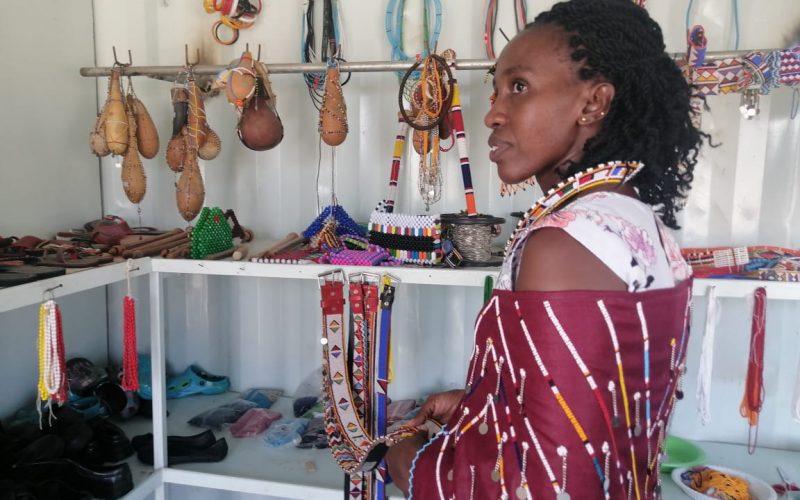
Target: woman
[579, 353]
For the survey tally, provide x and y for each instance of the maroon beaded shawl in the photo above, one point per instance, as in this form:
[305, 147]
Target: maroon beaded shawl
[568, 394]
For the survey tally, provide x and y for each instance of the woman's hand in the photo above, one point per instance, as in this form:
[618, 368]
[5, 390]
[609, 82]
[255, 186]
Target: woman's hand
[439, 406]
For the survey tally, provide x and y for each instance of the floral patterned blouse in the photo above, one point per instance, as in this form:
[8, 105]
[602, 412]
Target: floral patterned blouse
[622, 232]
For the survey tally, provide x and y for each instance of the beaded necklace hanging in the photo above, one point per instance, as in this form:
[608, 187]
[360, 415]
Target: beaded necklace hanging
[394, 28]
[753, 398]
[520, 15]
[616, 172]
[52, 387]
[130, 363]
[330, 50]
[430, 98]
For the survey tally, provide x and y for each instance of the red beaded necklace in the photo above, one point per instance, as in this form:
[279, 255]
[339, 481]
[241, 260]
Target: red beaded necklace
[130, 365]
[753, 398]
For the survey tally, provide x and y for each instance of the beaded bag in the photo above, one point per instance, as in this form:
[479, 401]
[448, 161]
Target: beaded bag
[410, 238]
[211, 234]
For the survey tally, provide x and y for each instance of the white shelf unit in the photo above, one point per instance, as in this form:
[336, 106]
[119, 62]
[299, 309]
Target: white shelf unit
[73, 282]
[251, 467]
[85, 279]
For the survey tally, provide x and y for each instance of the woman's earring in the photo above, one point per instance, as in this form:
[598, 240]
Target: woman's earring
[583, 119]
[602, 113]
[512, 189]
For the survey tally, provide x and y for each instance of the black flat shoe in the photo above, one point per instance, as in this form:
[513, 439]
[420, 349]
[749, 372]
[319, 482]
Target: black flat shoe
[214, 453]
[109, 445]
[178, 444]
[11, 490]
[101, 482]
[47, 447]
[56, 488]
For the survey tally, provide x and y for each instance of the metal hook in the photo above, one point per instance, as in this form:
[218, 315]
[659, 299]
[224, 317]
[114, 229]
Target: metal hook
[50, 291]
[116, 61]
[795, 106]
[504, 35]
[259, 53]
[247, 47]
[186, 56]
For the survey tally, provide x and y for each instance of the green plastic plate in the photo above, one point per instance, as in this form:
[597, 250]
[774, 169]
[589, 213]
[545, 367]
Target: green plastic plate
[681, 453]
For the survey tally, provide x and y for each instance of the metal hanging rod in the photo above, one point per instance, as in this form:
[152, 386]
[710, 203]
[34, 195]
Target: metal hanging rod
[345, 67]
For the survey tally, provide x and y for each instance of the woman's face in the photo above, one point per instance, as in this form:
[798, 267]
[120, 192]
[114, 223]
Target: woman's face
[538, 107]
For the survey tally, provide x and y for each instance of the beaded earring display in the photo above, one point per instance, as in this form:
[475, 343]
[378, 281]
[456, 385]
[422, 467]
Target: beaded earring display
[130, 362]
[52, 386]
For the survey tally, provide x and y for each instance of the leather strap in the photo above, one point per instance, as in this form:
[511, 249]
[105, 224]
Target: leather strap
[352, 437]
[358, 485]
[381, 350]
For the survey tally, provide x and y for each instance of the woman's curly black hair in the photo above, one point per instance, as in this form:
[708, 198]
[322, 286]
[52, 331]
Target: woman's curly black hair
[650, 119]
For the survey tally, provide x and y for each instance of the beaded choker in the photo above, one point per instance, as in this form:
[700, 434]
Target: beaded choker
[616, 172]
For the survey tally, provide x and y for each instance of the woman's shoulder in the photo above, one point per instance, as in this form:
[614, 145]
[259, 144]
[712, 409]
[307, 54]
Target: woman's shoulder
[601, 208]
[602, 241]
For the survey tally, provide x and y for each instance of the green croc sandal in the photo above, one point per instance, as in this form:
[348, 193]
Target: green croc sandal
[195, 380]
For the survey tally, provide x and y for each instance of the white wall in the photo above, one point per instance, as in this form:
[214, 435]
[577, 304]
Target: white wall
[49, 181]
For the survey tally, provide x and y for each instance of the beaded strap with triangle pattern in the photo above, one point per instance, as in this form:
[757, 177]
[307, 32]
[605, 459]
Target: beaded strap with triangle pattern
[615, 172]
[348, 435]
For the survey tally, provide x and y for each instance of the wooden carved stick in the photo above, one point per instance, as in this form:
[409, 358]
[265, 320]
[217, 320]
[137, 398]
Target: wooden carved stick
[155, 248]
[138, 240]
[291, 240]
[172, 251]
[240, 253]
[178, 251]
[220, 255]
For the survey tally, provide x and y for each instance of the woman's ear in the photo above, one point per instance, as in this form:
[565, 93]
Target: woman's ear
[598, 102]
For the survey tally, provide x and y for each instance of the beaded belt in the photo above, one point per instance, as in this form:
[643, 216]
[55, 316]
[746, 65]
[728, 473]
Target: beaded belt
[355, 382]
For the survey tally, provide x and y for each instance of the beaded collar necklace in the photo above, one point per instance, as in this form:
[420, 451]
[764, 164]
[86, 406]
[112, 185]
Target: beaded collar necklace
[616, 172]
